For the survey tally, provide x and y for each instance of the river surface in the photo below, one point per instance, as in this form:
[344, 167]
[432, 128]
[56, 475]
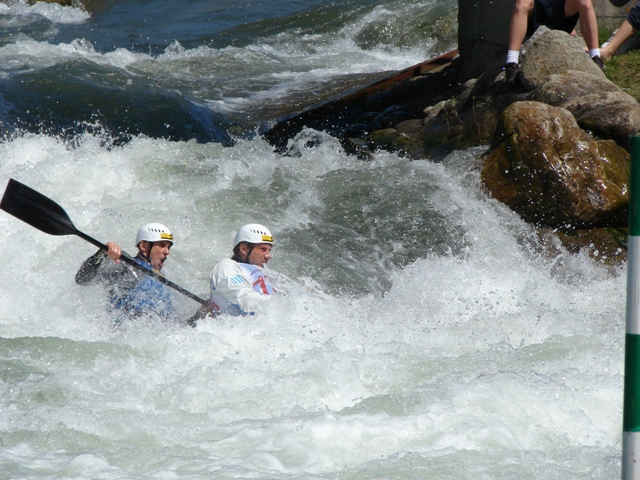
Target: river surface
[423, 335]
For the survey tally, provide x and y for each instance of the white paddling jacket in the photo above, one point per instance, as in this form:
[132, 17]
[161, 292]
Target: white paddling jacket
[239, 288]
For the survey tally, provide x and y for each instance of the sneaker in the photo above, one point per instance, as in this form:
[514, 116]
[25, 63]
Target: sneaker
[598, 61]
[609, 40]
[511, 71]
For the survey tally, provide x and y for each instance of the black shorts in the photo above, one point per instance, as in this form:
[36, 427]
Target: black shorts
[634, 17]
[550, 13]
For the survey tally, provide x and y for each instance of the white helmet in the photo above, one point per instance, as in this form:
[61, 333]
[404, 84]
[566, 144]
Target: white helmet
[154, 232]
[253, 233]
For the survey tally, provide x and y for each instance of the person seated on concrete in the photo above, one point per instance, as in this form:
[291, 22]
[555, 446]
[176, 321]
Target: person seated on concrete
[624, 38]
[528, 15]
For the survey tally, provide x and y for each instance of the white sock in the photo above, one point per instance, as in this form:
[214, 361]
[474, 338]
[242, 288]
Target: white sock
[594, 52]
[513, 56]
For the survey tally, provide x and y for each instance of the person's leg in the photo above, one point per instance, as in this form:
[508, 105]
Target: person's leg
[519, 23]
[517, 32]
[624, 33]
[588, 21]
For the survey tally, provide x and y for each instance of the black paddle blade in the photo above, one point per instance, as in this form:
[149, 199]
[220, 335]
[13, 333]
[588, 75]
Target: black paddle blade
[35, 209]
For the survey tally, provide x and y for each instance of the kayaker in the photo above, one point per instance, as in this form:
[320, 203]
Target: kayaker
[132, 293]
[239, 285]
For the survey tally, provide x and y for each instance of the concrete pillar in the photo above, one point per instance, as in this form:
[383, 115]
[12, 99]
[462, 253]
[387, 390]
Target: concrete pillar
[483, 30]
[610, 17]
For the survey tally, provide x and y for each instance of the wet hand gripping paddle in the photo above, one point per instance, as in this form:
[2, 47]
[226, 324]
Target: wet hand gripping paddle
[47, 216]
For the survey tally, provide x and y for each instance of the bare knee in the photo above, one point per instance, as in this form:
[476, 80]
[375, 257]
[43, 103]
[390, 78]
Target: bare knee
[523, 7]
[571, 7]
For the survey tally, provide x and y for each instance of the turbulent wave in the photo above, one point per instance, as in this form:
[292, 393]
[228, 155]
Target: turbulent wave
[420, 334]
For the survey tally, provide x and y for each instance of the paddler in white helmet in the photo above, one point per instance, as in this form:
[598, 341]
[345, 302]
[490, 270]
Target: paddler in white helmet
[131, 293]
[239, 285]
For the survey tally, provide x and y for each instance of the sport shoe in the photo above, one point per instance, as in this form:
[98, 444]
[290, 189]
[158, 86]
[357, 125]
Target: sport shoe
[598, 61]
[511, 71]
[610, 38]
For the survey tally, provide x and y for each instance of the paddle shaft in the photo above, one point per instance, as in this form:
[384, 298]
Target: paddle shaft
[41, 212]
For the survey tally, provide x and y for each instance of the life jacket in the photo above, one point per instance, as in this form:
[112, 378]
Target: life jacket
[149, 295]
[256, 277]
[239, 288]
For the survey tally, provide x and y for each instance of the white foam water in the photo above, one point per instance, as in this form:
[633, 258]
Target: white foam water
[491, 361]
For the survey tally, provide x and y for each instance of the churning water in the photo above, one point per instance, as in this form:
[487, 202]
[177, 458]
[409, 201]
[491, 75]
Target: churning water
[422, 334]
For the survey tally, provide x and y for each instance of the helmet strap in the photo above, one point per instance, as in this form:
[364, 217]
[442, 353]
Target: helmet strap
[141, 253]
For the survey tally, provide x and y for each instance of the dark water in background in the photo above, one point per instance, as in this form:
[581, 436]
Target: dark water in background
[423, 335]
[196, 70]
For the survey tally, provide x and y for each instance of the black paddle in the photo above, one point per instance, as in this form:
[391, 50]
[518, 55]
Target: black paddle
[47, 216]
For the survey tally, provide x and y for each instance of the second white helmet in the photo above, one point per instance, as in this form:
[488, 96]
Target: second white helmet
[253, 233]
[154, 232]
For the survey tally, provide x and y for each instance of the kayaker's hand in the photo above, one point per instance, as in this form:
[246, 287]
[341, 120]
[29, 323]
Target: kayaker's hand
[114, 252]
[211, 309]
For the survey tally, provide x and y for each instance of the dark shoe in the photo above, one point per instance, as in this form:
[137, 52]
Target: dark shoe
[598, 61]
[511, 75]
[511, 78]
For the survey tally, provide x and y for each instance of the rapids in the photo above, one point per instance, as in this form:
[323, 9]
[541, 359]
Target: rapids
[422, 335]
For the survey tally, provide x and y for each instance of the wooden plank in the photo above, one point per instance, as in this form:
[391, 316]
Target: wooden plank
[289, 126]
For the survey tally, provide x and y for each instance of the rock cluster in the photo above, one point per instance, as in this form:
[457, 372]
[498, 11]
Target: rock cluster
[554, 174]
[558, 144]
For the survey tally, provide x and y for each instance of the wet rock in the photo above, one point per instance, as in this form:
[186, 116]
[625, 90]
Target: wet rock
[543, 166]
[598, 104]
[393, 115]
[605, 245]
[382, 100]
[64, 3]
[383, 138]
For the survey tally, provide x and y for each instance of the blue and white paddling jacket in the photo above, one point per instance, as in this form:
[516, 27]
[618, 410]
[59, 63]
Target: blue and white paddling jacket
[239, 288]
[131, 293]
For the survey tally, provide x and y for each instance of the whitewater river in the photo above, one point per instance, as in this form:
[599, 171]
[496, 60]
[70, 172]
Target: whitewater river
[423, 334]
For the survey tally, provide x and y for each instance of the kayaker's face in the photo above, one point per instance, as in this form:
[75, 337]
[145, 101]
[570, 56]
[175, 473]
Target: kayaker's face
[260, 255]
[159, 253]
